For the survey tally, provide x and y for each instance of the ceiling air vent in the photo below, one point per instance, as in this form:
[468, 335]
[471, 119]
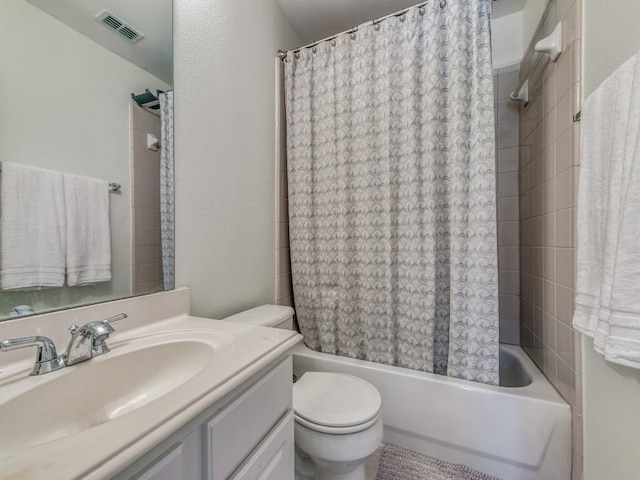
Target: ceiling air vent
[114, 23]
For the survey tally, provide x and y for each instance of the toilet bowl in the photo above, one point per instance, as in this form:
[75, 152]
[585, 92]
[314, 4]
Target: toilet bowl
[338, 419]
[338, 425]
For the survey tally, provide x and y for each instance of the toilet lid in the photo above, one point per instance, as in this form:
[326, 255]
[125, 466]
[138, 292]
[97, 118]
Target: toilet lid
[335, 399]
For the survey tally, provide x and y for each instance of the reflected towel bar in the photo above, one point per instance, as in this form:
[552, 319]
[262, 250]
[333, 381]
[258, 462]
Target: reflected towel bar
[114, 187]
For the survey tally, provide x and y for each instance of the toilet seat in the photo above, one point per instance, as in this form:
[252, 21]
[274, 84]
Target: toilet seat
[335, 403]
[336, 430]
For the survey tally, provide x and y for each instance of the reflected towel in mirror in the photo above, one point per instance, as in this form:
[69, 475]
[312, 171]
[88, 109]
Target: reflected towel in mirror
[88, 248]
[32, 228]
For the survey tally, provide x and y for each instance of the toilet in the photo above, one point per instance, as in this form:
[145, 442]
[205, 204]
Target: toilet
[338, 417]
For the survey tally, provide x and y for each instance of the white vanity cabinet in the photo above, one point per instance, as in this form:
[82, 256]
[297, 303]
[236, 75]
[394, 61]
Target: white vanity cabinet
[169, 466]
[247, 435]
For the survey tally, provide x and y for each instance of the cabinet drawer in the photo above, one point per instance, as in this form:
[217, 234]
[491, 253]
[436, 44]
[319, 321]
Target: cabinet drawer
[273, 459]
[233, 433]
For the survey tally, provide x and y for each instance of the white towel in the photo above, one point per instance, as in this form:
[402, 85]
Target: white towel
[607, 295]
[88, 230]
[32, 228]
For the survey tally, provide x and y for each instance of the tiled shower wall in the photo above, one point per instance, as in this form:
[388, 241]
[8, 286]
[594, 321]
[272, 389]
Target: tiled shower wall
[145, 201]
[549, 159]
[507, 152]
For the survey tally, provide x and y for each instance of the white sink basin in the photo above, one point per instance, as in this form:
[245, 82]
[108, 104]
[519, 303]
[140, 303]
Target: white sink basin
[135, 373]
[89, 421]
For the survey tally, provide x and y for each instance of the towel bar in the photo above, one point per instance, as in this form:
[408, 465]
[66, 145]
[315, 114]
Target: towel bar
[114, 187]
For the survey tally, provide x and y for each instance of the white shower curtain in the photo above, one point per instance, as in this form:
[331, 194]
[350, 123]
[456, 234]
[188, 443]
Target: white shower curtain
[392, 195]
[167, 210]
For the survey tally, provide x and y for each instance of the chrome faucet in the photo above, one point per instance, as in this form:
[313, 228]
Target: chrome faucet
[87, 341]
[47, 360]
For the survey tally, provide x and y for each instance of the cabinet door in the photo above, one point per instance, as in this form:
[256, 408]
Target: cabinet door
[239, 428]
[179, 458]
[273, 459]
[169, 467]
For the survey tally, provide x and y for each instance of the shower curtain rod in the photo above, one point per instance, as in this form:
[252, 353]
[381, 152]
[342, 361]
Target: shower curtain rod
[283, 54]
[114, 187]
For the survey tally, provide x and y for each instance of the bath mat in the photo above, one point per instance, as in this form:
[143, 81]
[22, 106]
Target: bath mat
[400, 464]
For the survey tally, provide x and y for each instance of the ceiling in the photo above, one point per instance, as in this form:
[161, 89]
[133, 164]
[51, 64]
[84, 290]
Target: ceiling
[317, 19]
[312, 19]
[153, 18]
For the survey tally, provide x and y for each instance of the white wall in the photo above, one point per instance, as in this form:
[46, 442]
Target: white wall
[531, 15]
[506, 40]
[225, 150]
[611, 35]
[512, 34]
[65, 106]
[611, 393]
[611, 418]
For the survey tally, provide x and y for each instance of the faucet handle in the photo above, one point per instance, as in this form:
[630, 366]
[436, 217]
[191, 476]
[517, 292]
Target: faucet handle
[88, 341]
[47, 359]
[102, 330]
[116, 318]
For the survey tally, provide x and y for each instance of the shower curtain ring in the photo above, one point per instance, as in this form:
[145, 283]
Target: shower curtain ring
[421, 10]
[443, 3]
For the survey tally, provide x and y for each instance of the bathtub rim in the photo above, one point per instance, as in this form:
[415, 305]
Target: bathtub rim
[540, 387]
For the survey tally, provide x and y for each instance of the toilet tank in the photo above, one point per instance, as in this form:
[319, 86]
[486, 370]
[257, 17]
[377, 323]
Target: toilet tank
[277, 316]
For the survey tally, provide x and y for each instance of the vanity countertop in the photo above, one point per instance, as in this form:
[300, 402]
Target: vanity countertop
[100, 450]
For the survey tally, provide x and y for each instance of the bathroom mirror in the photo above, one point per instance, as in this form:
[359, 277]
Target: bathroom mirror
[67, 72]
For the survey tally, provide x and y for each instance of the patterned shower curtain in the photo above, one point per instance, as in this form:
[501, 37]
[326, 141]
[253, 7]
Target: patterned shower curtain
[392, 198]
[167, 230]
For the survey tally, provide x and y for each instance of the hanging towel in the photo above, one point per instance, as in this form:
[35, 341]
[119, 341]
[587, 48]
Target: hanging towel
[32, 228]
[608, 274]
[88, 231]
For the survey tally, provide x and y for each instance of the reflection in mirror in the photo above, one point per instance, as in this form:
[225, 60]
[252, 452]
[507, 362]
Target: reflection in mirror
[68, 128]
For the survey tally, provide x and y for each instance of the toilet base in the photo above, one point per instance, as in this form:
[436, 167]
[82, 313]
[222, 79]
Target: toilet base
[321, 456]
[304, 466]
[307, 470]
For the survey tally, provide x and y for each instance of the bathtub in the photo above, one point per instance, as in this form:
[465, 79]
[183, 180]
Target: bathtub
[519, 430]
